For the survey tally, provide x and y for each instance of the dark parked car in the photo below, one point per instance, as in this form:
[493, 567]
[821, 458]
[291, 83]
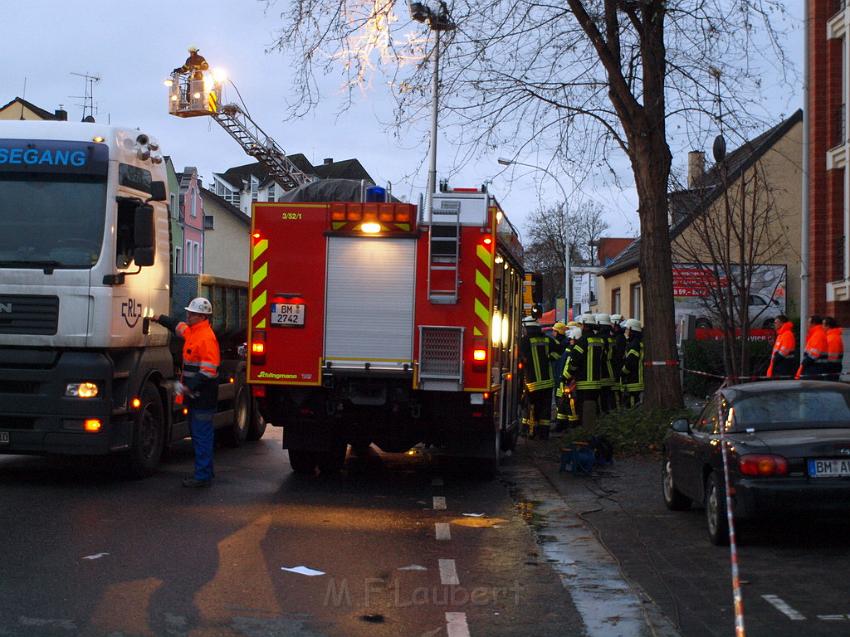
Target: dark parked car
[788, 447]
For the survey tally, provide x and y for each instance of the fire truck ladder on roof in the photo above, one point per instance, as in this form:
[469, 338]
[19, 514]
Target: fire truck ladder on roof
[260, 146]
[444, 252]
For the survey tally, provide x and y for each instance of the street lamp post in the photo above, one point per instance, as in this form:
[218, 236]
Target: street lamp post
[438, 21]
[567, 244]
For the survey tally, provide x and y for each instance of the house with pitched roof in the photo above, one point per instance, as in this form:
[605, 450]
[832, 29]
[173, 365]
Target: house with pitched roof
[240, 186]
[774, 161]
[19, 108]
[227, 238]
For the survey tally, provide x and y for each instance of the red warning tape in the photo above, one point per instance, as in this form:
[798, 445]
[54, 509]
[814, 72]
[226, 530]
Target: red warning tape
[733, 544]
[737, 379]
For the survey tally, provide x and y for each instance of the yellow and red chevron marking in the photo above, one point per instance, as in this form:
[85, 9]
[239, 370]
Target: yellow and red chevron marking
[483, 289]
[259, 273]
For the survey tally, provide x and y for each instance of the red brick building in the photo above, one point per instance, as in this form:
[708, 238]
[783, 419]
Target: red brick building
[829, 209]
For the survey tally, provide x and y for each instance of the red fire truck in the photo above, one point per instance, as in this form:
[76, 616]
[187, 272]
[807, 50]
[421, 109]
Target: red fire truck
[370, 323]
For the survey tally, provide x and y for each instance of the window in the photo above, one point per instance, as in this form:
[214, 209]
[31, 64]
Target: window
[634, 300]
[194, 203]
[209, 222]
[615, 301]
[271, 192]
[197, 248]
[188, 263]
[255, 186]
[173, 207]
[178, 260]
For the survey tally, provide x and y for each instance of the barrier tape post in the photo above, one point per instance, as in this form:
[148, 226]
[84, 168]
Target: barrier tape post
[733, 545]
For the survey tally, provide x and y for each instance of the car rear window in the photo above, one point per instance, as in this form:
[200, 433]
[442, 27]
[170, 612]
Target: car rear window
[793, 409]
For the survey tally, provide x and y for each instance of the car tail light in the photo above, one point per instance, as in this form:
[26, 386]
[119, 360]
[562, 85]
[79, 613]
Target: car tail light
[258, 347]
[763, 465]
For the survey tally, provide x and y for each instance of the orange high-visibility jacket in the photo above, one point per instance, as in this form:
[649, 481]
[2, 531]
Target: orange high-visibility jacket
[816, 343]
[834, 345]
[781, 361]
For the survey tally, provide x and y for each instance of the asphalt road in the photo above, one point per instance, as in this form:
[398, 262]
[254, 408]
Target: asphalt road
[792, 572]
[85, 553]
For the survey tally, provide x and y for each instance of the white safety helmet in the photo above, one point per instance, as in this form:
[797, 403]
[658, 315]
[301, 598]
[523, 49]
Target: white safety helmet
[587, 319]
[603, 319]
[574, 333]
[199, 305]
[633, 325]
[616, 319]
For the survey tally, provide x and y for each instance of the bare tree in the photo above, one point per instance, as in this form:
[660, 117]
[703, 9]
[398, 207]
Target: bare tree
[731, 241]
[548, 230]
[585, 81]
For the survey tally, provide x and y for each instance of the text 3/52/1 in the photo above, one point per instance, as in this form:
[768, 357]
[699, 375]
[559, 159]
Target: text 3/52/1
[290, 216]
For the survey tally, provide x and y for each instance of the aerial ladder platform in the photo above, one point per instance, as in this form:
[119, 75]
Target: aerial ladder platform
[197, 93]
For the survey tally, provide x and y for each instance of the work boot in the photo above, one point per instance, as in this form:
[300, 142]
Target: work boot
[193, 483]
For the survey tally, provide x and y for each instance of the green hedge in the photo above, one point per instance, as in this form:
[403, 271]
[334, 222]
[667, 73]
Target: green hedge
[707, 356]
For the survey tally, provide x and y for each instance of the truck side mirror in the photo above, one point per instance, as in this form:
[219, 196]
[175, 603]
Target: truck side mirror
[158, 192]
[680, 425]
[144, 235]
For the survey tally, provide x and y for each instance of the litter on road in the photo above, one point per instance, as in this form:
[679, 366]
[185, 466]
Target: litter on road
[302, 570]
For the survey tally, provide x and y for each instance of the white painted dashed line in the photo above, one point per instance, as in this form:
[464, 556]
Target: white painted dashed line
[437, 482]
[456, 625]
[448, 573]
[442, 531]
[439, 503]
[832, 618]
[783, 607]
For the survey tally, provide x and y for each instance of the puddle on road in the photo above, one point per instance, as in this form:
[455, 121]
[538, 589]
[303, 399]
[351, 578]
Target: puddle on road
[478, 523]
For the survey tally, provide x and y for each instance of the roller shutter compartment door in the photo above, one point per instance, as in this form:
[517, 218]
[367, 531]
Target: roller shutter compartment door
[370, 296]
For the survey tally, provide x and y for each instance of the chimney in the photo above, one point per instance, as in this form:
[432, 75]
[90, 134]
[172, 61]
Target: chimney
[328, 161]
[60, 114]
[696, 167]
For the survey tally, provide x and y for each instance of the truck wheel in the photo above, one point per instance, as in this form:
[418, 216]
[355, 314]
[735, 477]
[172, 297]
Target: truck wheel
[237, 432]
[258, 424]
[302, 461]
[332, 461]
[148, 435]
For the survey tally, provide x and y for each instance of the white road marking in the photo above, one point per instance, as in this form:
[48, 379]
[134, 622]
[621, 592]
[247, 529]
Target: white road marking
[456, 625]
[832, 618]
[448, 573]
[437, 482]
[780, 605]
[443, 532]
[96, 556]
[439, 503]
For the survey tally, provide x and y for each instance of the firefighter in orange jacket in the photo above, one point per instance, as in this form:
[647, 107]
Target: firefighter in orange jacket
[198, 382]
[814, 356]
[782, 359]
[834, 348]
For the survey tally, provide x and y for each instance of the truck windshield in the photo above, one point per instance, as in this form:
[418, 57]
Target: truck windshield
[49, 219]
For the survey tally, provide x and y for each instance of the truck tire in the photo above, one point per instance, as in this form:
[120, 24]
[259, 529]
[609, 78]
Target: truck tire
[303, 461]
[258, 423]
[237, 432]
[148, 435]
[332, 461]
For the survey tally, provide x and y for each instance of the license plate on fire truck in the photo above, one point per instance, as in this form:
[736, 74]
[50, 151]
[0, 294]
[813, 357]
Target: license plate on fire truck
[288, 314]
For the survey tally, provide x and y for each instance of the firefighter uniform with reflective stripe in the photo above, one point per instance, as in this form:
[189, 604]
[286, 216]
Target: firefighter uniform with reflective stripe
[583, 370]
[567, 414]
[607, 379]
[537, 352]
[201, 359]
[632, 372]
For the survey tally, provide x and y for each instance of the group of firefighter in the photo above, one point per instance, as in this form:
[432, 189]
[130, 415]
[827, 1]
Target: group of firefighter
[593, 364]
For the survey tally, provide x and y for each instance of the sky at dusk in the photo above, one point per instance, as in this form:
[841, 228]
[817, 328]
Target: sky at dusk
[132, 47]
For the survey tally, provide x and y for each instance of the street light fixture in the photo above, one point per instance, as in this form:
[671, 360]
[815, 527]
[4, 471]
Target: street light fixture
[567, 244]
[437, 21]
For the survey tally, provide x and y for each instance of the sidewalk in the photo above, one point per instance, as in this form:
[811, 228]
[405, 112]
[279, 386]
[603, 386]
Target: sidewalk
[610, 603]
[664, 556]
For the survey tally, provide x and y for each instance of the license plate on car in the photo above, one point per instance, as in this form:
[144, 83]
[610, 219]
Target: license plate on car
[4, 438]
[288, 314]
[830, 468]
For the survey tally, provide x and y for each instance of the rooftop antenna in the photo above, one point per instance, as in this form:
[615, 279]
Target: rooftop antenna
[89, 108]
